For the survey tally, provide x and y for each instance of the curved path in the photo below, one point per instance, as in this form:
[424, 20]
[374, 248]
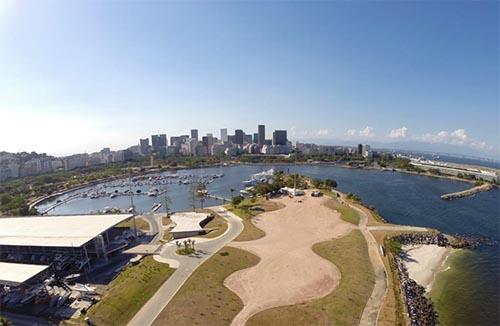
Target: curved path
[289, 271]
[186, 265]
[374, 303]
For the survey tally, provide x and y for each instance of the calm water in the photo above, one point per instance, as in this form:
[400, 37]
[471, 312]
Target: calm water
[466, 294]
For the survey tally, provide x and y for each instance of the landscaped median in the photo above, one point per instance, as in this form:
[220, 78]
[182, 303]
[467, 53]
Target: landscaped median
[203, 299]
[343, 306]
[127, 293]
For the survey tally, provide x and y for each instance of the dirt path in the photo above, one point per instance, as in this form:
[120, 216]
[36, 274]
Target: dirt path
[289, 271]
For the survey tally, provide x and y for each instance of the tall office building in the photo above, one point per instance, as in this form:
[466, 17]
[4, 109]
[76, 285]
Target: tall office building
[262, 135]
[144, 146]
[279, 137]
[159, 141]
[194, 134]
[238, 136]
[255, 138]
[223, 135]
[360, 149]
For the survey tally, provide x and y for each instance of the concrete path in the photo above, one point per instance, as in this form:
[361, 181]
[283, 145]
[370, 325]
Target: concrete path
[397, 228]
[374, 303]
[187, 265]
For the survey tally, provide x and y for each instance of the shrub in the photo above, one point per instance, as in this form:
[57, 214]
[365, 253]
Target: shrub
[236, 200]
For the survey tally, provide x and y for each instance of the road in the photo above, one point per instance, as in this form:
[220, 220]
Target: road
[155, 225]
[186, 266]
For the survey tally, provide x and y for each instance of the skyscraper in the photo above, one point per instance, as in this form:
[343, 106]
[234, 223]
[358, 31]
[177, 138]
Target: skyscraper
[360, 149]
[255, 138]
[144, 146]
[262, 135]
[279, 137]
[223, 135]
[159, 141]
[194, 134]
[238, 136]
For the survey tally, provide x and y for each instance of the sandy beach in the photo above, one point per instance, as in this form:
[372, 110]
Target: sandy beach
[425, 262]
[289, 271]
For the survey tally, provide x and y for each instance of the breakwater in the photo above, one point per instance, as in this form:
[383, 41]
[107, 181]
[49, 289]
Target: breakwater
[468, 192]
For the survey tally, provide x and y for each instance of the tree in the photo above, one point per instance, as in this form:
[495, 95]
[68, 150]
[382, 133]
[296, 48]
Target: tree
[330, 183]
[236, 200]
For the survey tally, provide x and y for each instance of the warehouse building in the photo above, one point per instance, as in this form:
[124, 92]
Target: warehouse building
[72, 239]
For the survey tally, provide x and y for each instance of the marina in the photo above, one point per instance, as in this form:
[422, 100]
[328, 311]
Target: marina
[398, 197]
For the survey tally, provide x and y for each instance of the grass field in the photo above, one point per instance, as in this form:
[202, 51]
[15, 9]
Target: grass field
[203, 299]
[141, 224]
[347, 213]
[243, 210]
[344, 306]
[219, 223]
[393, 311]
[127, 293]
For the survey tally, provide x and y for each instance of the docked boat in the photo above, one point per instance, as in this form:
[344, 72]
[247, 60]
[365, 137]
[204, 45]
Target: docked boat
[264, 176]
[153, 192]
[156, 207]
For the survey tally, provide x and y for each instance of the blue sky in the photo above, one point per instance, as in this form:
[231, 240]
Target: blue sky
[77, 76]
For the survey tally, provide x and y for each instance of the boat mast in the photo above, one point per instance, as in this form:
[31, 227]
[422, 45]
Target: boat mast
[132, 200]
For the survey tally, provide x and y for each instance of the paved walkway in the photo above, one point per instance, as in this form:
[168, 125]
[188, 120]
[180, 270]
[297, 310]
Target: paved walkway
[374, 303]
[186, 266]
[397, 228]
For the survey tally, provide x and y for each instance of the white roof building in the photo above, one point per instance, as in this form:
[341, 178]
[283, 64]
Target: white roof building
[56, 231]
[293, 191]
[188, 223]
[15, 274]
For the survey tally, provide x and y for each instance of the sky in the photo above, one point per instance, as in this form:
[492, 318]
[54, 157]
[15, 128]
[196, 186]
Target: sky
[76, 76]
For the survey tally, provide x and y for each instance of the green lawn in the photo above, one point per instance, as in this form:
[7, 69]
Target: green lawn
[347, 213]
[344, 306]
[243, 210]
[203, 299]
[140, 223]
[218, 223]
[127, 293]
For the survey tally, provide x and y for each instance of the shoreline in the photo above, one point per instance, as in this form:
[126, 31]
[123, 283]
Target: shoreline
[37, 201]
[426, 262]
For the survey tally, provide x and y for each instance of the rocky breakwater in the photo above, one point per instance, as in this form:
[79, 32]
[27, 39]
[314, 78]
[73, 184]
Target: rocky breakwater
[420, 308]
[469, 192]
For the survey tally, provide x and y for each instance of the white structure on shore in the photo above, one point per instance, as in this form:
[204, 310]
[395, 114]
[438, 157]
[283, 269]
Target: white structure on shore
[188, 224]
[292, 191]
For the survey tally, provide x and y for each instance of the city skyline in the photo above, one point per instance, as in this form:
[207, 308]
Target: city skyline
[392, 80]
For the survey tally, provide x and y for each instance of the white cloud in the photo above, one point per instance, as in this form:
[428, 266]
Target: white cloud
[350, 132]
[455, 137]
[398, 133]
[367, 132]
[323, 132]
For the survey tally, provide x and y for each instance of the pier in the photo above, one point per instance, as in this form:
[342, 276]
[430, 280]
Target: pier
[468, 192]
